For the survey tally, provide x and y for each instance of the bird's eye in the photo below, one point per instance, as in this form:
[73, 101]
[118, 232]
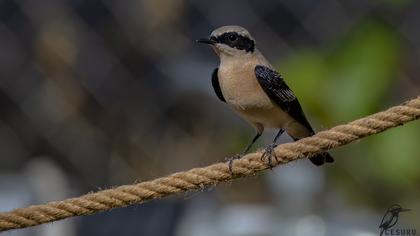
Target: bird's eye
[232, 37]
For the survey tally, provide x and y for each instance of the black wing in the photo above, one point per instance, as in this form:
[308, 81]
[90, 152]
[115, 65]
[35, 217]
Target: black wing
[216, 85]
[276, 88]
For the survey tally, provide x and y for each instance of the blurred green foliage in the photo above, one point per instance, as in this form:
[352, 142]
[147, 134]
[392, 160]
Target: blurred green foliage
[351, 79]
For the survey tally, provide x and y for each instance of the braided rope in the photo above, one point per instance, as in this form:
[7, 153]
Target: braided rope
[211, 175]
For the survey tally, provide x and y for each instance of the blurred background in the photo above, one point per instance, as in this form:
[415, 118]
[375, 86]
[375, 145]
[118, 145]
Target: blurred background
[99, 93]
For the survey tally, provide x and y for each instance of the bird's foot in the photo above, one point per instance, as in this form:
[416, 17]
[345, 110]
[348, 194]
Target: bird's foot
[269, 154]
[232, 158]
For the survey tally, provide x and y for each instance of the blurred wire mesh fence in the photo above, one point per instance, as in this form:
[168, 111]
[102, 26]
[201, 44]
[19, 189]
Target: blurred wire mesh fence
[96, 93]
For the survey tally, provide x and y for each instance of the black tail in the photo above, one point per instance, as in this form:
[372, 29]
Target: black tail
[322, 158]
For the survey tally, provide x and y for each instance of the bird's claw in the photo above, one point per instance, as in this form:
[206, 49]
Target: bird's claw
[269, 154]
[231, 159]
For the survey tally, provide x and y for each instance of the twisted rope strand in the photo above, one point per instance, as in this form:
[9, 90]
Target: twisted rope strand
[199, 178]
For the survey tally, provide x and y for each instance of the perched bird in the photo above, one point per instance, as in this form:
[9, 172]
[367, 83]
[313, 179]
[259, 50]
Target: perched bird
[391, 217]
[248, 83]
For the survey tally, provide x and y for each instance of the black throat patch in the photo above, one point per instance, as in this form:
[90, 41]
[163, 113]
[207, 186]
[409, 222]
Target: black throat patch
[235, 40]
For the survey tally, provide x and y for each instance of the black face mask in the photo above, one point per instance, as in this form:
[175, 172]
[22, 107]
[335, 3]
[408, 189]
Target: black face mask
[235, 40]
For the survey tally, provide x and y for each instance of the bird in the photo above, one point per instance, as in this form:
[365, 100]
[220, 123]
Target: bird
[250, 85]
[391, 217]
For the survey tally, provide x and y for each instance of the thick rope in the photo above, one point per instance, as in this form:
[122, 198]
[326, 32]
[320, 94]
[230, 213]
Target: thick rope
[199, 178]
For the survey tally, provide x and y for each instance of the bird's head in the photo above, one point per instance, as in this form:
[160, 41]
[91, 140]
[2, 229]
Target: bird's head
[230, 41]
[396, 209]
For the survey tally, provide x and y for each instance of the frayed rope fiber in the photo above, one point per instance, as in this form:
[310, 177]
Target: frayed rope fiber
[199, 178]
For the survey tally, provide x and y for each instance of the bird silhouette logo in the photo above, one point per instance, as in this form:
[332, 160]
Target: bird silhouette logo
[391, 217]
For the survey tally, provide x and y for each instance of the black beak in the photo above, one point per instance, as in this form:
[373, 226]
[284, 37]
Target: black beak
[206, 41]
[405, 209]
